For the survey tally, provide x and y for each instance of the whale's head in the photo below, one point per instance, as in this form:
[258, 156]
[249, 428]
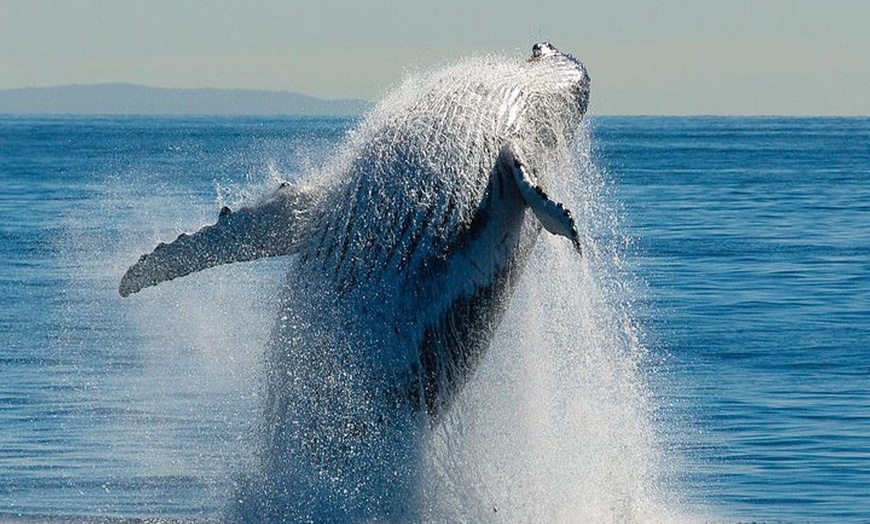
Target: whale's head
[557, 93]
[568, 76]
[540, 105]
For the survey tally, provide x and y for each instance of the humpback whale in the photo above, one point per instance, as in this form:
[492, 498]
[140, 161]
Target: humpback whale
[404, 258]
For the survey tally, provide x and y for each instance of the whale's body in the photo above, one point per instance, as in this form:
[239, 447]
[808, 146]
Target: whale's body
[406, 258]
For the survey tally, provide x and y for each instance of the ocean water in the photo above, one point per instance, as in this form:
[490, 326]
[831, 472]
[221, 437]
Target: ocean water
[745, 241]
[753, 236]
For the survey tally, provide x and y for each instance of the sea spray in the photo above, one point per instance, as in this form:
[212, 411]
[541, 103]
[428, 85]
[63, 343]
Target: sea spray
[556, 425]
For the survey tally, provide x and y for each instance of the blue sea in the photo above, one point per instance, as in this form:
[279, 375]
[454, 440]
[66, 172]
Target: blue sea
[749, 253]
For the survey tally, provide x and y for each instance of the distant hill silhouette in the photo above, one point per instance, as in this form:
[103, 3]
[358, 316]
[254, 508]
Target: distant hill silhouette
[132, 99]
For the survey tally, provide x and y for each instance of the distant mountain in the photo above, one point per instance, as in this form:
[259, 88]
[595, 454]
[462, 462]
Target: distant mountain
[132, 99]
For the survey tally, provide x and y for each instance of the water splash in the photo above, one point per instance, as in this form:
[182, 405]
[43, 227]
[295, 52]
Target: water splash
[556, 424]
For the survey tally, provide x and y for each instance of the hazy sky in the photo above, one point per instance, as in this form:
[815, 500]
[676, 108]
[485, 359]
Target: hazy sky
[653, 57]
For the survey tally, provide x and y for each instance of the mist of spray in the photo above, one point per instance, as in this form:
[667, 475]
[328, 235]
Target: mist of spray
[557, 425]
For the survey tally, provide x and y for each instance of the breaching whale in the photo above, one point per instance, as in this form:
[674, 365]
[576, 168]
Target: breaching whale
[405, 257]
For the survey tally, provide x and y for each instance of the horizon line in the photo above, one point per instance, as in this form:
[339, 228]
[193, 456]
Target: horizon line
[361, 101]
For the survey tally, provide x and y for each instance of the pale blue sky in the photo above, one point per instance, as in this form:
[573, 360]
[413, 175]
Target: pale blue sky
[655, 57]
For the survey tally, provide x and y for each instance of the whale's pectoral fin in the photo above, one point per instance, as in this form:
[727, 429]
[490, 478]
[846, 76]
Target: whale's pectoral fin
[269, 228]
[551, 214]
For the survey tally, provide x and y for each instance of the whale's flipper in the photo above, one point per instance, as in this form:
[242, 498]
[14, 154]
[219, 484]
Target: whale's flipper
[267, 229]
[551, 214]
